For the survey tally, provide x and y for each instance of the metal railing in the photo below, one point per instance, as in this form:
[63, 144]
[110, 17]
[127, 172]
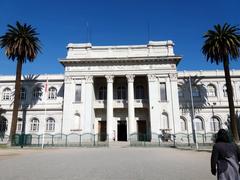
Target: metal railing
[98, 140]
[59, 140]
[171, 140]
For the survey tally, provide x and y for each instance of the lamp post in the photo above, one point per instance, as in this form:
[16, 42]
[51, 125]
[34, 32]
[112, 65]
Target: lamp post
[193, 114]
[24, 109]
[213, 119]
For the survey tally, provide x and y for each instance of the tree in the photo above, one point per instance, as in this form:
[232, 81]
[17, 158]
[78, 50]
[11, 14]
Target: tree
[21, 43]
[222, 45]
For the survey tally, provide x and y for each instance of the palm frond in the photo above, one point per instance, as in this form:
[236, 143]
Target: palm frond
[223, 42]
[21, 42]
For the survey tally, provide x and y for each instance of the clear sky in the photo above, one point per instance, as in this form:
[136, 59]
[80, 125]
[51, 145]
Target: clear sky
[117, 22]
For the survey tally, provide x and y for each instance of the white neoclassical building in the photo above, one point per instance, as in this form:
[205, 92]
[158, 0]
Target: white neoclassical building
[120, 90]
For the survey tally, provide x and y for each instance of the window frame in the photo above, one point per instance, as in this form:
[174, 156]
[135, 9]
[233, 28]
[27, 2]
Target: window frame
[213, 121]
[102, 93]
[211, 90]
[52, 93]
[7, 92]
[23, 94]
[34, 125]
[140, 92]
[78, 92]
[199, 122]
[37, 93]
[196, 91]
[165, 122]
[121, 92]
[183, 122]
[163, 92]
[50, 124]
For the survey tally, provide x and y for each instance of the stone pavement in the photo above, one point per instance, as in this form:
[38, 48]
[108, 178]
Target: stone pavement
[113, 163]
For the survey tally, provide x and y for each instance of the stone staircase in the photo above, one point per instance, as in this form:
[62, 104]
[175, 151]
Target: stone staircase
[119, 144]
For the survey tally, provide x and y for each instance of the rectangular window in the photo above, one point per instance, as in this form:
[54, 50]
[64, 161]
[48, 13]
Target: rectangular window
[78, 93]
[19, 126]
[163, 92]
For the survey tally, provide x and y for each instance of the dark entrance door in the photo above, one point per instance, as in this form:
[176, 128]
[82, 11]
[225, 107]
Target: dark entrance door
[142, 130]
[3, 126]
[122, 131]
[102, 129]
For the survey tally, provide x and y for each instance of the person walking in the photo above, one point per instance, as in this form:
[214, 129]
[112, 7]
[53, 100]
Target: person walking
[225, 158]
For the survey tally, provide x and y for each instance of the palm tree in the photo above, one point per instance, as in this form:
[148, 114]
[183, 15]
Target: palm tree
[21, 44]
[222, 45]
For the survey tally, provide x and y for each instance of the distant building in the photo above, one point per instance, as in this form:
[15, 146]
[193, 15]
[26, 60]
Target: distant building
[120, 90]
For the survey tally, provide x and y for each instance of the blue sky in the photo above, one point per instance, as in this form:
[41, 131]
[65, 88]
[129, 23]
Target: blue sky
[117, 22]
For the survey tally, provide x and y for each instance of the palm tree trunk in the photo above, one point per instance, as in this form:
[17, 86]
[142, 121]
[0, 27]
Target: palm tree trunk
[233, 121]
[16, 101]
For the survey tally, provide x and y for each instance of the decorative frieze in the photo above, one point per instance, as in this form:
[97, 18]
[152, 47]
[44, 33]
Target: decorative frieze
[114, 66]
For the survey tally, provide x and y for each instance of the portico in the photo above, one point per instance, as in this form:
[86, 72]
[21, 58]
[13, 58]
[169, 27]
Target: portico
[118, 96]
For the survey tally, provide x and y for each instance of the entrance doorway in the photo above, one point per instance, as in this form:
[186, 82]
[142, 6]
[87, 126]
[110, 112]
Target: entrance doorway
[122, 131]
[142, 130]
[102, 130]
[3, 126]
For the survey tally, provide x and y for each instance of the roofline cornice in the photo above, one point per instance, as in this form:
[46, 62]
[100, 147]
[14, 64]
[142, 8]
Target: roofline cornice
[66, 61]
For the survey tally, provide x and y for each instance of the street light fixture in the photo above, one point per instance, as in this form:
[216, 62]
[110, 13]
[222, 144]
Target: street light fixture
[213, 119]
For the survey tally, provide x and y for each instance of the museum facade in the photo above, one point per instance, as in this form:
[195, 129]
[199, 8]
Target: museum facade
[120, 90]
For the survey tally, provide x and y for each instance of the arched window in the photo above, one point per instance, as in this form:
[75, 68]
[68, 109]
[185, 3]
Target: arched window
[225, 90]
[180, 91]
[23, 94]
[19, 125]
[6, 94]
[121, 92]
[195, 91]
[211, 90]
[37, 93]
[52, 93]
[198, 123]
[34, 125]
[76, 122]
[183, 124]
[50, 124]
[165, 121]
[140, 92]
[3, 125]
[102, 93]
[214, 124]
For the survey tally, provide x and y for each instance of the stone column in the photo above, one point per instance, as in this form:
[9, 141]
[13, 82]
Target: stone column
[89, 119]
[174, 103]
[131, 114]
[68, 99]
[110, 106]
[154, 110]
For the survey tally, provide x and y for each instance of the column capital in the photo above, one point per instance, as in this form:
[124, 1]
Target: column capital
[89, 79]
[130, 78]
[109, 78]
[67, 79]
[173, 76]
[151, 77]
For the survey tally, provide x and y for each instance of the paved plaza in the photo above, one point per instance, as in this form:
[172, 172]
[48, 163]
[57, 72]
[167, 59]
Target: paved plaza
[116, 163]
